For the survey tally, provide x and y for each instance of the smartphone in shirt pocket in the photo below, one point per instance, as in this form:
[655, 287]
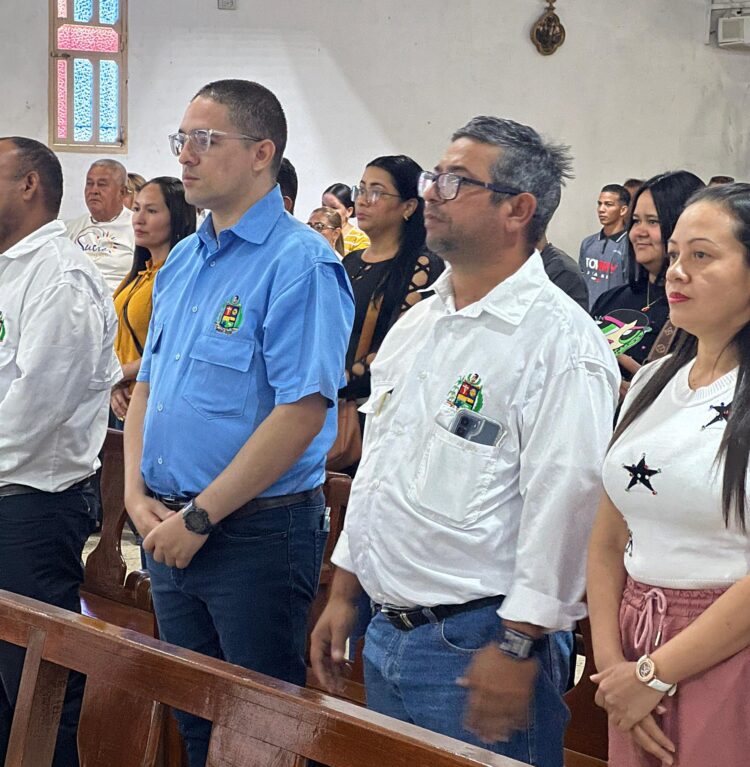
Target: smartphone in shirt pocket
[476, 428]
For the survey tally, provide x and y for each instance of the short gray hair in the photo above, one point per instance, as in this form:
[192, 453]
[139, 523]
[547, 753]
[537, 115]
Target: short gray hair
[527, 162]
[117, 168]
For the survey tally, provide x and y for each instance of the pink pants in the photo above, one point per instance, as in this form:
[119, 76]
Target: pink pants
[708, 719]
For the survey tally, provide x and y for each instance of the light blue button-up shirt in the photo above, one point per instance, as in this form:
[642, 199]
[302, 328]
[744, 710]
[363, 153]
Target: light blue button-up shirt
[259, 317]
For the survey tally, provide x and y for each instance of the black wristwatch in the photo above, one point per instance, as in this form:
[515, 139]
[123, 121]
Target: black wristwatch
[515, 644]
[196, 519]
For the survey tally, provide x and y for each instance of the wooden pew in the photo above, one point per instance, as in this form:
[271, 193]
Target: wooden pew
[256, 720]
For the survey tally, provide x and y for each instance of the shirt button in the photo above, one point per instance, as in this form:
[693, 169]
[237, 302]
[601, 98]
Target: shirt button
[160, 460]
[422, 376]
[160, 407]
[213, 263]
[194, 309]
[376, 484]
[177, 356]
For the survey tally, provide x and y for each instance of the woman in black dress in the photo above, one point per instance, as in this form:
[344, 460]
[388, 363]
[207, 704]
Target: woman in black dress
[389, 274]
[632, 315]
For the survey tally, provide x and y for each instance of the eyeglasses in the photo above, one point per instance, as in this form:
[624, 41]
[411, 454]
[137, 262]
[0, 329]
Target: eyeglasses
[200, 139]
[448, 184]
[319, 226]
[370, 196]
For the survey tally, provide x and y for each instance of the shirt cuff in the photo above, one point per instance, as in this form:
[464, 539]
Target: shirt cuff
[341, 556]
[525, 605]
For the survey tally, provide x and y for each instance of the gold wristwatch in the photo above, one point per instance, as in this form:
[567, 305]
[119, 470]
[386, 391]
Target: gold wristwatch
[645, 671]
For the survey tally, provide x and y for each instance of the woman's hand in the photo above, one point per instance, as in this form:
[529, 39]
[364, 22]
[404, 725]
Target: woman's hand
[120, 400]
[649, 736]
[626, 700]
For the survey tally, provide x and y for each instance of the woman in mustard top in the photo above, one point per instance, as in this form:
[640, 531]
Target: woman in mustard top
[161, 218]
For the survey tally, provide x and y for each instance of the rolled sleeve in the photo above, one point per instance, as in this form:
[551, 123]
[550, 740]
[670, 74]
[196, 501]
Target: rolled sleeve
[306, 332]
[565, 431]
[341, 556]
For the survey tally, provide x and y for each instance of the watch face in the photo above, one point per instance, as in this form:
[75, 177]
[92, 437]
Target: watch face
[196, 520]
[645, 669]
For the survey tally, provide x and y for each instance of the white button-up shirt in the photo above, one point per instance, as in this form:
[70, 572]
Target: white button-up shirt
[57, 363]
[436, 519]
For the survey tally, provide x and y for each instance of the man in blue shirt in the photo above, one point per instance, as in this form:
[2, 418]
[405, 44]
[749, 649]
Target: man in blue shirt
[232, 415]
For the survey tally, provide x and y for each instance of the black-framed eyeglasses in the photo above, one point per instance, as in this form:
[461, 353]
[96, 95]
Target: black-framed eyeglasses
[200, 139]
[448, 185]
[370, 196]
[319, 226]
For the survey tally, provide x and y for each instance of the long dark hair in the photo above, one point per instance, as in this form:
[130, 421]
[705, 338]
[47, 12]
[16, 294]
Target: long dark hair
[182, 218]
[343, 193]
[670, 192]
[735, 444]
[393, 287]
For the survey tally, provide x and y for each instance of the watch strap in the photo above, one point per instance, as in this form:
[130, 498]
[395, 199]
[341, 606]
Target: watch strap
[515, 644]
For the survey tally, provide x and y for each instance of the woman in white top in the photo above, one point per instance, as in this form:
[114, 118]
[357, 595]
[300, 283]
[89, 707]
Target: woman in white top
[670, 618]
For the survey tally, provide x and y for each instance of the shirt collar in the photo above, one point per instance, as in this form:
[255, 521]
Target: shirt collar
[509, 300]
[256, 223]
[36, 239]
[616, 237]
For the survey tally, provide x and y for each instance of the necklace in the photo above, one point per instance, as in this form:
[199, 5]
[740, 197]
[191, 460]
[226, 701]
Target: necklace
[650, 303]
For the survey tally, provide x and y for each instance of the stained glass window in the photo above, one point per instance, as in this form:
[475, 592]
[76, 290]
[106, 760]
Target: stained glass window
[87, 74]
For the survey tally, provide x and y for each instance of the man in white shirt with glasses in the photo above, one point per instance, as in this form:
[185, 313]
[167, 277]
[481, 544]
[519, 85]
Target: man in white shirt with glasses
[491, 407]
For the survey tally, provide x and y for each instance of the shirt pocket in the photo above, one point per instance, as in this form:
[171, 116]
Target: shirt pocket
[217, 380]
[452, 478]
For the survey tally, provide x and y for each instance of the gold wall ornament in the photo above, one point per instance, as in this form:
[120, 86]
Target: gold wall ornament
[548, 34]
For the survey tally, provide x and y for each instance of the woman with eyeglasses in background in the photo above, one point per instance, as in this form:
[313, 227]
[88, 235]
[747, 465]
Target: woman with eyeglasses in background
[339, 197]
[136, 182]
[161, 218]
[389, 274]
[327, 221]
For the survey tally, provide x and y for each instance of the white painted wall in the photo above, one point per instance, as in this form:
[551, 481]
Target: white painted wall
[634, 90]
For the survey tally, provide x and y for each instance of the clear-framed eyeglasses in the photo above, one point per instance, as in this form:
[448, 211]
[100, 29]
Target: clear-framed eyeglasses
[201, 138]
[370, 196]
[319, 226]
[448, 185]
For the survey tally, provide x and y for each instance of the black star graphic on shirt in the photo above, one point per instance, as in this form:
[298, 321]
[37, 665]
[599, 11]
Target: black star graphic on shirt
[640, 474]
[722, 414]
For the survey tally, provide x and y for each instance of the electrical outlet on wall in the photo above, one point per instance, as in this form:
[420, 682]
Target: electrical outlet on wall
[227, 5]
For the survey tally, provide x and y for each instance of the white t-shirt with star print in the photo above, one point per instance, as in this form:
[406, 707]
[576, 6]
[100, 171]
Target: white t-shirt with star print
[663, 477]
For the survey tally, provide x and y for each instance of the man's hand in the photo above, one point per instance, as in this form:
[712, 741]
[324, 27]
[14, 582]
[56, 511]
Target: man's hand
[328, 641]
[500, 691]
[172, 543]
[626, 699]
[146, 513]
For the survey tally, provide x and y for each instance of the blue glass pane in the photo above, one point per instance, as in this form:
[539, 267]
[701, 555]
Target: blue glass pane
[109, 11]
[108, 98]
[83, 99]
[83, 10]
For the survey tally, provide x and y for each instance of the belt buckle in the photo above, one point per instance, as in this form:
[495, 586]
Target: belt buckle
[395, 617]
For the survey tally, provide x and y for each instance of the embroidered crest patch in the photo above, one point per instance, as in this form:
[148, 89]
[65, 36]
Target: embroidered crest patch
[230, 316]
[2, 326]
[467, 393]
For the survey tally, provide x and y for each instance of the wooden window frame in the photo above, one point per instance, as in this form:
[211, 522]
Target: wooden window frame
[121, 58]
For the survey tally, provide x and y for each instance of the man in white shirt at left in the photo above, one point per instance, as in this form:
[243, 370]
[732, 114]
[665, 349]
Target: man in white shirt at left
[105, 233]
[57, 329]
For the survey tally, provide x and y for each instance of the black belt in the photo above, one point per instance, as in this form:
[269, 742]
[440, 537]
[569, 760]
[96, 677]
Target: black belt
[8, 490]
[177, 502]
[408, 618]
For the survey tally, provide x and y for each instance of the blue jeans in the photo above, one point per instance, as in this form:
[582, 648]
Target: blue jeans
[411, 676]
[244, 598]
[41, 541]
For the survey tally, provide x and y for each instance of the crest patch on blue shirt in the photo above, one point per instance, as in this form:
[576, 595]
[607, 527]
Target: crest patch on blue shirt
[230, 317]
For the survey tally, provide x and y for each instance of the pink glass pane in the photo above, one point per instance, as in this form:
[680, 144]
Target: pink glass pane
[62, 9]
[62, 98]
[71, 37]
